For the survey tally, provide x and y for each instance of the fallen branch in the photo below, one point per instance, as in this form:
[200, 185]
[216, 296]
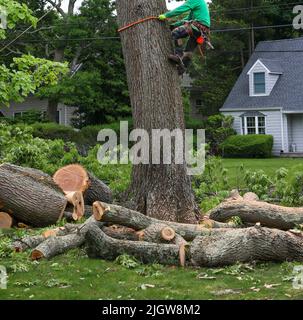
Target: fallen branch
[53, 246]
[102, 246]
[29, 242]
[269, 215]
[246, 245]
[136, 220]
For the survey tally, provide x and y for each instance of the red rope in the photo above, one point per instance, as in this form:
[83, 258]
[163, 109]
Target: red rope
[137, 22]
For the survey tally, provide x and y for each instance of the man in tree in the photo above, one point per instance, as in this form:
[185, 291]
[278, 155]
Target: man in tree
[196, 26]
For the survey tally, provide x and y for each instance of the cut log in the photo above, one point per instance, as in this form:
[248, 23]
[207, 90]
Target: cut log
[27, 243]
[99, 245]
[76, 199]
[97, 191]
[161, 233]
[250, 196]
[72, 178]
[30, 196]
[246, 245]
[269, 215]
[6, 221]
[136, 220]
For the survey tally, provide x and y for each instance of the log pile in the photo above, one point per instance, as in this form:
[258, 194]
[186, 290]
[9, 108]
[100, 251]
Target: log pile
[32, 198]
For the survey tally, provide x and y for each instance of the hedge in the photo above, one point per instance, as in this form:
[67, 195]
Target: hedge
[247, 146]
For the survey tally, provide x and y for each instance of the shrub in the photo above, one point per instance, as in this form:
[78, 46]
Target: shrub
[218, 128]
[54, 131]
[248, 146]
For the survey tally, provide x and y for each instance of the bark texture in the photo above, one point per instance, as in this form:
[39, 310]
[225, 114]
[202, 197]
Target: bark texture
[269, 215]
[245, 245]
[162, 191]
[97, 191]
[30, 196]
[27, 243]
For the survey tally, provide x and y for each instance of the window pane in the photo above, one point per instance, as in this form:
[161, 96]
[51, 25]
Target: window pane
[251, 121]
[259, 82]
[17, 114]
[251, 130]
[261, 130]
[261, 121]
[259, 88]
[198, 103]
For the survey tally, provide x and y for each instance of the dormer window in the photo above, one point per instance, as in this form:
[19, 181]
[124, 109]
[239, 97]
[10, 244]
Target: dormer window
[263, 76]
[259, 83]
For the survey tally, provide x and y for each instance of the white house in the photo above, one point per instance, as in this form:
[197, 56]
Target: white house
[64, 113]
[268, 96]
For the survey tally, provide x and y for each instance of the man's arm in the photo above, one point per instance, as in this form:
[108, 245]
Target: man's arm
[185, 7]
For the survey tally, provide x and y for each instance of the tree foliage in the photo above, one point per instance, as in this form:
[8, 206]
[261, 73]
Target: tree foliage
[25, 74]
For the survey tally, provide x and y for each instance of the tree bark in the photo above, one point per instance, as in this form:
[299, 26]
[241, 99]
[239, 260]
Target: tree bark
[97, 191]
[245, 245]
[269, 215]
[27, 243]
[162, 191]
[30, 196]
[138, 221]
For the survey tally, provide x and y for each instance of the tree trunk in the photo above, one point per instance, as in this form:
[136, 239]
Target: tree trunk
[136, 220]
[245, 245]
[269, 215]
[30, 196]
[161, 191]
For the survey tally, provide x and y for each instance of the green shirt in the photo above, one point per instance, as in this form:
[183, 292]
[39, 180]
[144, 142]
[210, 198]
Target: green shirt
[198, 11]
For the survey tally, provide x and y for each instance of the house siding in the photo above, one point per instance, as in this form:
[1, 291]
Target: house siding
[270, 79]
[273, 126]
[33, 103]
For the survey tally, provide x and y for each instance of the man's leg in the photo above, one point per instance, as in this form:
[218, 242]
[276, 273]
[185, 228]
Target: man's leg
[190, 47]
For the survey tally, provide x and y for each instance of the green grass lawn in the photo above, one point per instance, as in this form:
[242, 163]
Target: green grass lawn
[74, 276]
[270, 166]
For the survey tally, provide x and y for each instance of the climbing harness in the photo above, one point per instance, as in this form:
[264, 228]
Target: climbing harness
[137, 22]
